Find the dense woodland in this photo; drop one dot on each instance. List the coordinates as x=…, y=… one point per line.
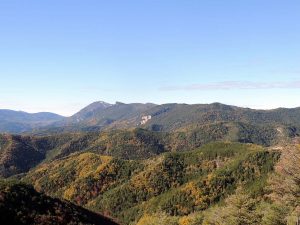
x=176, y=185
x=189, y=165
x=20, y=153
x=21, y=204
x=100, y=116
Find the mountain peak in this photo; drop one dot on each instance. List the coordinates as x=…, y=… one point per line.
x=91, y=109
x=101, y=103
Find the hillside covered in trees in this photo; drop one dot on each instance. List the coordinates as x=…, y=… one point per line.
x=200, y=123
x=173, y=185
x=20, y=153
x=159, y=180
x=100, y=116
x=185, y=165
x=21, y=204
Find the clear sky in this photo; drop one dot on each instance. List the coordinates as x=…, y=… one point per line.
x=60, y=55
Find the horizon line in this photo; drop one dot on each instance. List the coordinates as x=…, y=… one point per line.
x=182, y=103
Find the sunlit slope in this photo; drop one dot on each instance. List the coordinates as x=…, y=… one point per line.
x=177, y=184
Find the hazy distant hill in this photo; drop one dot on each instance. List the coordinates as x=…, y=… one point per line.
x=89, y=112
x=174, y=116
x=167, y=117
x=99, y=115
x=18, y=121
x=170, y=117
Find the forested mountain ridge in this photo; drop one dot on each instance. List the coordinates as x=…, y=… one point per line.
x=166, y=117
x=19, y=153
x=146, y=164
x=21, y=204
x=170, y=117
x=219, y=183
x=174, y=184
x=103, y=114
x=18, y=121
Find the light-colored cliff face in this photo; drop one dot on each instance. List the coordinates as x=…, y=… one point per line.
x=145, y=119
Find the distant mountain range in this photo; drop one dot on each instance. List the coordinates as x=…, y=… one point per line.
x=137, y=131
x=18, y=121
x=167, y=117
x=150, y=164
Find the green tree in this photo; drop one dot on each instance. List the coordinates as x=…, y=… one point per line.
x=239, y=209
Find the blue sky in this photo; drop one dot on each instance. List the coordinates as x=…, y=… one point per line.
x=60, y=55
